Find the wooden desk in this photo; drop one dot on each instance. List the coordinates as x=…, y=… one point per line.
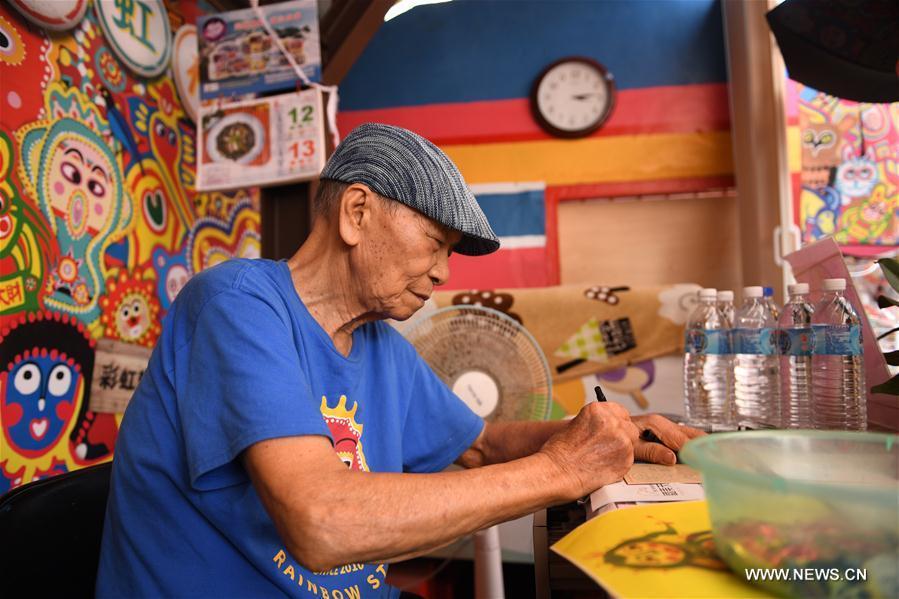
x=556, y=577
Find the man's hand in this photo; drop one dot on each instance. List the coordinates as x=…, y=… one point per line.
x=595, y=449
x=671, y=435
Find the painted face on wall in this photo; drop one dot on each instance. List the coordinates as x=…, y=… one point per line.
x=79, y=185
x=171, y=275
x=76, y=181
x=132, y=317
x=39, y=399
x=857, y=177
x=47, y=362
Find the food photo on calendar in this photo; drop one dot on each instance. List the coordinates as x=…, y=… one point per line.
x=272, y=140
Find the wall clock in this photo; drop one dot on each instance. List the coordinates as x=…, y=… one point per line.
x=573, y=97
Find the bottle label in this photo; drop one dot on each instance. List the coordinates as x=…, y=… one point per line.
x=838, y=340
x=710, y=342
x=755, y=341
x=798, y=341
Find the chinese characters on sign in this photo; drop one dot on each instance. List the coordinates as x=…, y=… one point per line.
x=117, y=371
x=139, y=33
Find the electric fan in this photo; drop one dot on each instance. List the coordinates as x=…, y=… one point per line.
x=496, y=367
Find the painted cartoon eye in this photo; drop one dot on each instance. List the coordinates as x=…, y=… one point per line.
x=172, y=139
x=28, y=379
x=808, y=137
x=850, y=173
x=96, y=188
x=135, y=308
x=865, y=173
x=60, y=380
x=125, y=312
x=70, y=172
x=826, y=137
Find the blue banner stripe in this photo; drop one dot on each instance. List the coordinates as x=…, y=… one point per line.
x=464, y=51
x=513, y=214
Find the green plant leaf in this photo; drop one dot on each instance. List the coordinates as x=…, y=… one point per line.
x=891, y=387
x=892, y=358
x=886, y=302
x=890, y=268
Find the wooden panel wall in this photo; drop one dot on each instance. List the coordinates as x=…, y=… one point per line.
x=650, y=242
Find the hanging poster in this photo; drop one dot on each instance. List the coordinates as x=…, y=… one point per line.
x=272, y=140
x=138, y=32
x=237, y=55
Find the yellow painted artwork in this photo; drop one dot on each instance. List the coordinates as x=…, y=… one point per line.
x=663, y=550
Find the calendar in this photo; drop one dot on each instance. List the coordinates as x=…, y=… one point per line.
x=268, y=141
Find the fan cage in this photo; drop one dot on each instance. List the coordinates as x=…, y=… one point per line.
x=459, y=339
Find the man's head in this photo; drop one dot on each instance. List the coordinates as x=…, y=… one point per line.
x=401, y=207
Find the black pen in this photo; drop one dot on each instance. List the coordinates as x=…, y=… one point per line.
x=647, y=435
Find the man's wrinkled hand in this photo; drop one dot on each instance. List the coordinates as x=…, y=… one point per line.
x=595, y=449
x=672, y=436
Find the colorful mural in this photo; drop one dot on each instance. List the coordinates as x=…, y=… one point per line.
x=847, y=184
x=100, y=228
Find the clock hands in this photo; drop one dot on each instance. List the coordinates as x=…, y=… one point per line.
x=584, y=96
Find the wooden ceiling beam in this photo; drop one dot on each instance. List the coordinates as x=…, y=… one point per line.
x=345, y=31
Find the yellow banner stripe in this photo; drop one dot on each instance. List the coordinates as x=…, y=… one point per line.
x=597, y=159
x=794, y=149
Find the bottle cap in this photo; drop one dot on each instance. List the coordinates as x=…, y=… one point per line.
x=798, y=289
x=752, y=291
x=834, y=284
x=725, y=295
x=708, y=293
x=768, y=291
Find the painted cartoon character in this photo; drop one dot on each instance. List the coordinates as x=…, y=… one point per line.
x=868, y=222
x=631, y=379
x=131, y=308
x=213, y=241
x=26, y=245
x=667, y=549
x=158, y=124
x=346, y=433
x=171, y=275
x=67, y=166
x=819, y=211
x=48, y=361
x=857, y=175
x=821, y=135
x=156, y=220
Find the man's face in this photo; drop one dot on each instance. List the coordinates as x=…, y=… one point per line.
x=405, y=255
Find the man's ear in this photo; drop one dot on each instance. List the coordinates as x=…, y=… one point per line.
x=354, y=212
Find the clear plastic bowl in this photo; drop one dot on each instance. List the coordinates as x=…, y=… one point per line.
x=822, y=505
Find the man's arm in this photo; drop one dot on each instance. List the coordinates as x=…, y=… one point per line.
x=328, y=515
x=505, y=441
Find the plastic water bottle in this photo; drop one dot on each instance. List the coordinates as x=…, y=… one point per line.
x=838, y=370
x=756, y=363
x=726, y=305
x=796, y=342
x=708, y=365
x=768, y=294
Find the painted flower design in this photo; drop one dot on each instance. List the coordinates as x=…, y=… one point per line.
x=677, y=302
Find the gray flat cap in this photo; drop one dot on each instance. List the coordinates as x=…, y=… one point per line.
x=406, y=167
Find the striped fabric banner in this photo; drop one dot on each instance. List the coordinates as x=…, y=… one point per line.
x=517, y=213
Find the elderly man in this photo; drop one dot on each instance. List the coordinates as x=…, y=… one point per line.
x=286, y=441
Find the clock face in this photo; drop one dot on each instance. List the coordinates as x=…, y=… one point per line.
x=573, y=97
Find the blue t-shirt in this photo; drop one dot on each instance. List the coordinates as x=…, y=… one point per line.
x=240, y=360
